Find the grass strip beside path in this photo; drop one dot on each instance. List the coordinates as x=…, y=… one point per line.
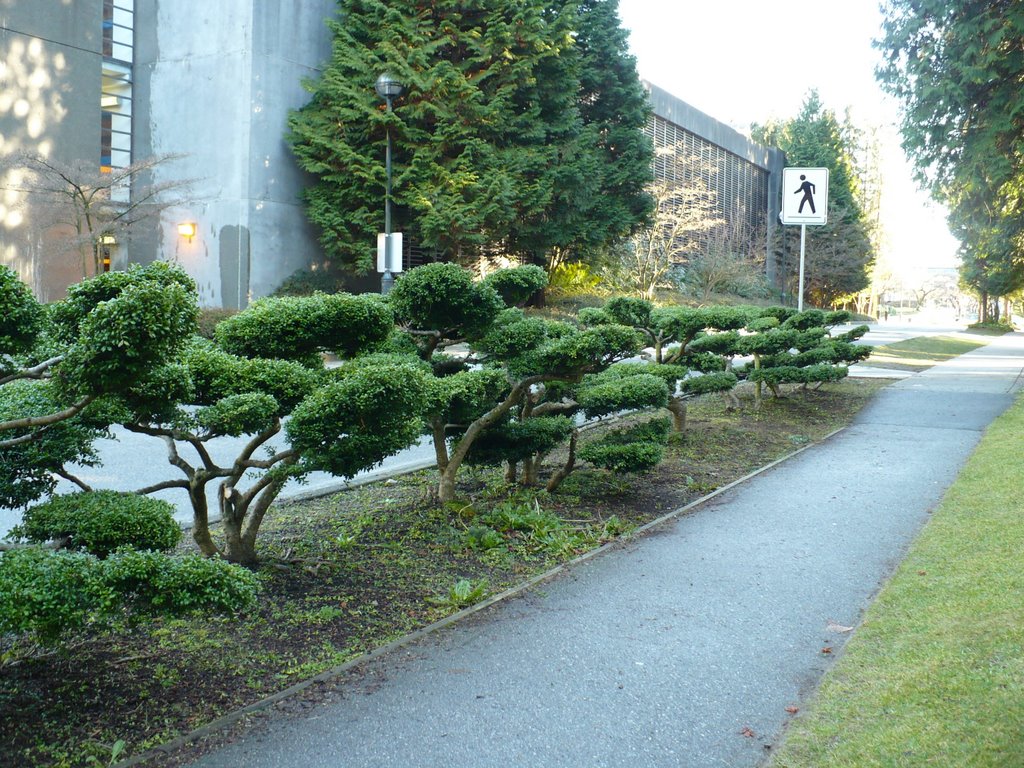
x=920, y=352
x=935, y=674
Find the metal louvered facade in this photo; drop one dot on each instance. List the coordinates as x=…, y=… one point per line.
x=741, y=176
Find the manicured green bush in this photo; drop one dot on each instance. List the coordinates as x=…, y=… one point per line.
x=151, y=581
x=517, y=441
x=124, y=337
x=603, y=396
x=652, y=430
x=442, y=298
x=85, y=297
x=22, y=315
x=100, y=522
x=636, y=448
x=360, y=420
x=513, y=334
x=809, y=318
x=723, y=318
x=633, y=312
x=718, y=381
x=216, y=374
x=723, y=344
x=46, y=592
x=237, y=415
x=517, y=284
x=593, y=316
x=631, y=457
x=296, y=327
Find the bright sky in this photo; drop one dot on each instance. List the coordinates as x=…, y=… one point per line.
x=746, y=61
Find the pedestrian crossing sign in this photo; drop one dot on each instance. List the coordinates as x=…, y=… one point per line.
x=805, y=196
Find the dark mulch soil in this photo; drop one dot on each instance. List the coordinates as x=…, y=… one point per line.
x=350, y=572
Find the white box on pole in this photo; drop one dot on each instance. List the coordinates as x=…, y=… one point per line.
x=396, y=250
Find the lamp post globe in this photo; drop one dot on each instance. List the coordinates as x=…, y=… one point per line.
x=388, y=88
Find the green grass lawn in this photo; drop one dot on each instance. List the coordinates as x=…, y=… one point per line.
x=920, y=352
x=935, y=675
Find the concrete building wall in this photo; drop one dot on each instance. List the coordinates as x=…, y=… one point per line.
x=214, y=83
x=50, y=65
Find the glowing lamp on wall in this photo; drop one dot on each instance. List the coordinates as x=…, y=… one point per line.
x=187, y=229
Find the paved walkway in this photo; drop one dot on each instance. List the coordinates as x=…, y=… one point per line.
x=685, y=646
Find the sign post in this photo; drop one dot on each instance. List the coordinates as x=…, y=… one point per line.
x=804, y=202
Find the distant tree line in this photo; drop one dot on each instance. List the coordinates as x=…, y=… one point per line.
x=956, y=67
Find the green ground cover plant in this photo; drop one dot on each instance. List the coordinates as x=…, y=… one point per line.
x=921, y=352
x=347, y=573
x=935, y=674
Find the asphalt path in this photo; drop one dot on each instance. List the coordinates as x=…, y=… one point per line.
x=130, y=461
x=685, y=646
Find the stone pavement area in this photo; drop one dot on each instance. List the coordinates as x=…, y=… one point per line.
x=682, y=647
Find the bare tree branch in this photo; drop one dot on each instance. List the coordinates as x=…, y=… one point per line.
x=39, y=371
x=40, y=421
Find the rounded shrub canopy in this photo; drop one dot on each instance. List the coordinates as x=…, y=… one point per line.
x=100, y=522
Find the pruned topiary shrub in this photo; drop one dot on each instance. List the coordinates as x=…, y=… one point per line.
x=47, y=593
x=294, y=328
x=634, y=449
x=515, y=441
x=100, y=522
x=151, y=581
x=518, y=284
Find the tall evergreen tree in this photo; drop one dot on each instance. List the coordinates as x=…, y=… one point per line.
x=956, y=67
x=615, y=110
x=492, y=139
x=601, y=177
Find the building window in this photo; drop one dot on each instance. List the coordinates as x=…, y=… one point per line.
x=116, y=92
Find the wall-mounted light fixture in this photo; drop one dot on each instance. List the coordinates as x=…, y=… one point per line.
x=107, y=242
x=187, y=229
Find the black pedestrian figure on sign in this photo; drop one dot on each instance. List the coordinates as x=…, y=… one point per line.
x=808, y=189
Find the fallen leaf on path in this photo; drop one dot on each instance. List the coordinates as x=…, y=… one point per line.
x=827, y=649
x=792, y=710
x=748, y=732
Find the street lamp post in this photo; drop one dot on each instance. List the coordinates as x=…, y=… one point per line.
x=387, y=88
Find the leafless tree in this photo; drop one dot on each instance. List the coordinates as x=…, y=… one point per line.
x=685, y=211
x=731, y=260
x=96, y=204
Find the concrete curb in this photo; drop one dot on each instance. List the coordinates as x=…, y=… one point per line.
x=231, y=718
